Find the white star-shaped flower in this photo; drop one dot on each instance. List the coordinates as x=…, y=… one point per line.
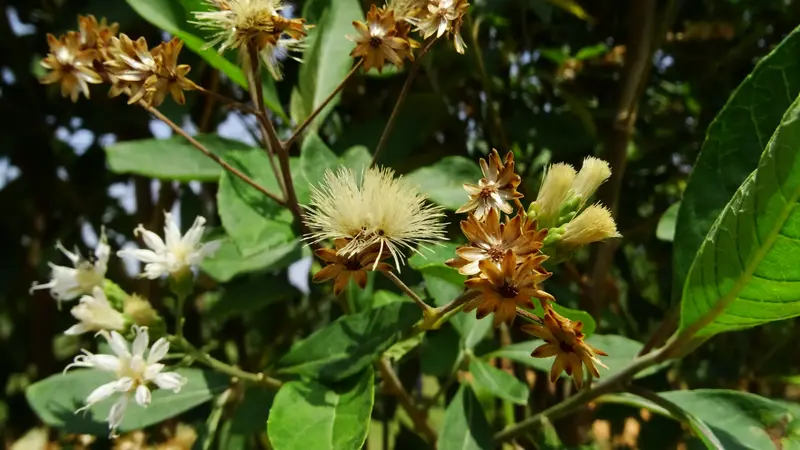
x=69, y=283
x=95, y=313
x=175, y=253
x=133, y=372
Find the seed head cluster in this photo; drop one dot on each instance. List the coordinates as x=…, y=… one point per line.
x=98, y=54
x=383, y=37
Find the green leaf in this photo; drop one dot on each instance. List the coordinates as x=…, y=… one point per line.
x=327, y=58
x=590, y=52
x=747, y=271
x=56, y=398
x=170, y=16
x=254, y=221
x=309, y=415
x=316, y=158
x=465, y=426
x=251, y=296
x=621, y=351
x=666, y=224
x=351, y=343
x=739, y=420
x=171, y=159
x=228, y=262
x=734, y=142
x=249, y=417
x=444, y=181
x=499, y=382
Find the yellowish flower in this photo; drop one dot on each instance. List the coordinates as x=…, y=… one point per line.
x=497, y=187
x=557, y=182
x=381, y=211
x=502, y=288
x=382, y=38
x=71, y=65
x=594, y=224
x=245, y=24
x=564, y=340
x=593, y=173
x=343, y=268
x=490, y=239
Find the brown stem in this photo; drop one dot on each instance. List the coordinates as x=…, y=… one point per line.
x=268, y=135
x=400, y=100
x=529, y=315
x=313, y=115
x=427, y=309
x=635, y=72
x=211, y=155
x=493, y=113
x=406, y=401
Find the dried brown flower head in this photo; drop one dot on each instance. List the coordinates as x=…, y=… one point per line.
x=382, y=38
x=497, y=187
x=70, y=64
x=343, y=268
x=502, y=288
x=148, y=75
x=564, y=340
x=245, y=24
x=97, y=34
x=438, y=17
x=490, y=239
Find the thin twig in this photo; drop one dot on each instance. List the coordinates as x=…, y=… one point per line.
x=288, y=143
x=406, y=401
x=612, y=384
x=427, y=309
x=400, y=100
x=267, y=130
x=211, y=155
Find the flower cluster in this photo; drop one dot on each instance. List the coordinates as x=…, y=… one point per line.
x=435, y=17
x=371, y=218
x=383, y=37
x=561, y=207
x=504, y=258
x=253, y=25
x=104, y=308
x=97, y=54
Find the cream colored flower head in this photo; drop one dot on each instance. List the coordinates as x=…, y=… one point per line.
x=593, y=173
x=241, y=24
x=556, y=184
x=379, y=210
x=95, y=313
x=69, y=283
x=594, y=224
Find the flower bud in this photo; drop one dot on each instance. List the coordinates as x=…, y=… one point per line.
x=555, y=187
x=140, y=311
x=593, y=173
x=594, y=224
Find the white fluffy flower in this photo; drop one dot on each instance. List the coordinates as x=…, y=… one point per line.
x=69, y=283
x=133, y=372
x=380, y=211
x=95, y=313
x=173, y=254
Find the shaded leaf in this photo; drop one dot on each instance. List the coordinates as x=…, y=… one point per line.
x=733, y=145
x=499, y=382
x=171, y=159
x=351, y=343
x=228, y=262
x=251, y=296
x=746, y=272
x=309, y=415
x=56, y=398
x=443, y=182
x=465, y=426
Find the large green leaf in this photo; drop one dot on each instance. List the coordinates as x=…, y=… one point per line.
x=170, y=16
x=228, y=262
x=733, y=144
x=444, y=181
x=465, y=426
x=747, y=271
x=739, y=420
x=309, y=415
x=171, y=159
x=621, y=352
x=316, y=158
x=56, y=398
x=351, y=343
x=254, y=221
x=498, y=382
x=251, y=296
x=327, y=58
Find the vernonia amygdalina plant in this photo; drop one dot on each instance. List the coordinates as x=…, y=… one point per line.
x=319, y=381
